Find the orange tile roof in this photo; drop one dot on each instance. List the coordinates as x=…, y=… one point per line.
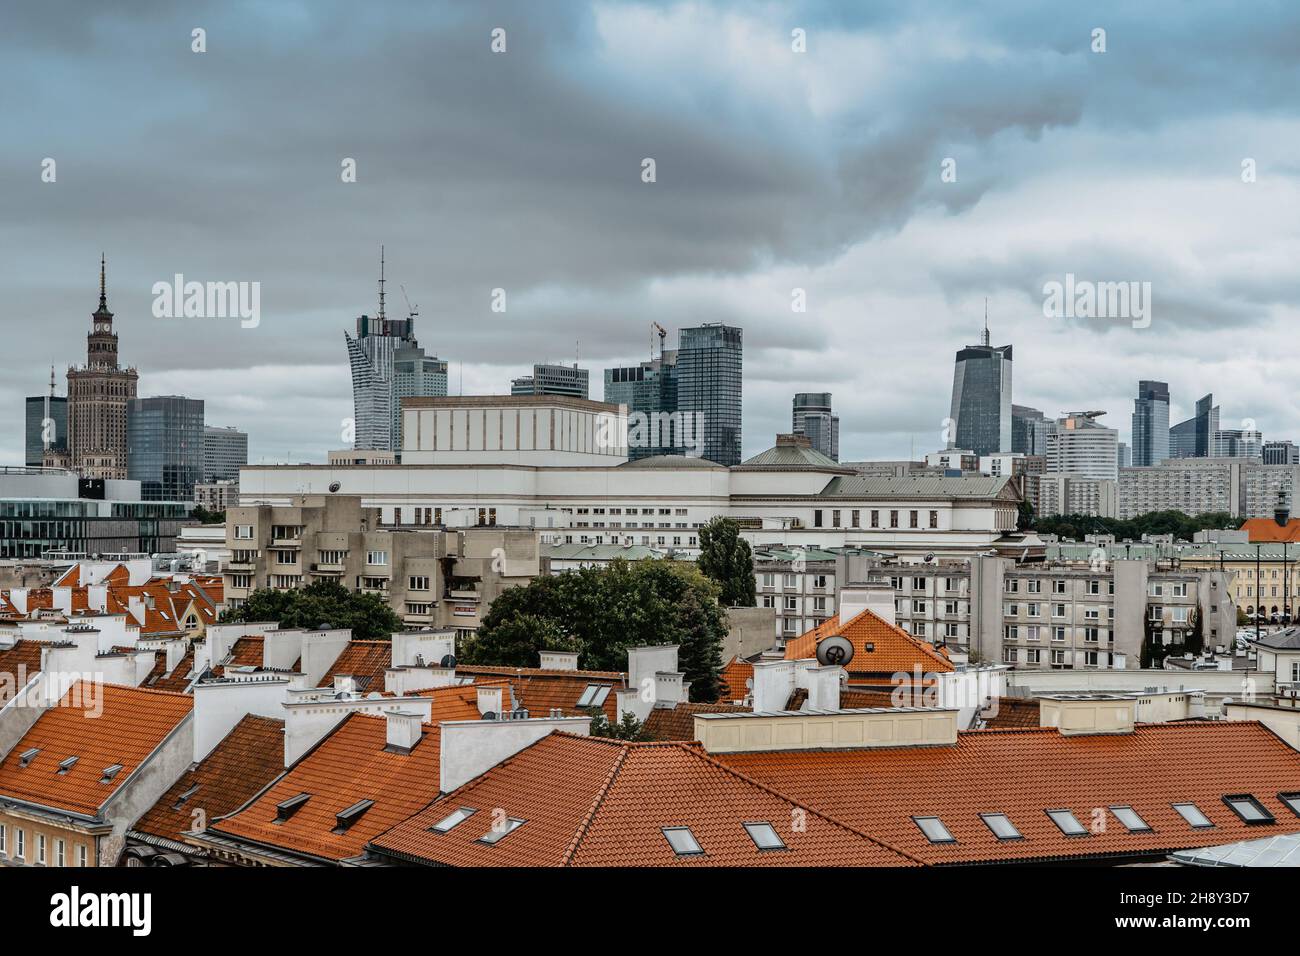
x=364, y=661
x=1024, y=773
x=1268, y=531
x=178, y=680
x=597, y=802
x=19, y=664
x=678, y=723
x=348, y=766
x=879, y=648
x=249, y=758
x=735, y=677
x=132, y=724
x=1014, y=712
x=539, y=691
x=245, y=652
x=459, y=702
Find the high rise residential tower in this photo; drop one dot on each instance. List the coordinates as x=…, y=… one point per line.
x=553, y=380
x=98, y=393
x=224, y=451
x=1151, y=424
x=981, y=398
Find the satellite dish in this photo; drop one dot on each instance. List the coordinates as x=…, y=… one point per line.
x=335, y=486
x=929, y=557
x=490, y=715
x=835, y=651
x=448, y=660
x=374, y=695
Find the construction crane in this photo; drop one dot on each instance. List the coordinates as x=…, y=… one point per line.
x=663, y=334
x=411, y=310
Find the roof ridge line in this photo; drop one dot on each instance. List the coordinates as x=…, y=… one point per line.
x=585, y=824
x=704, y=755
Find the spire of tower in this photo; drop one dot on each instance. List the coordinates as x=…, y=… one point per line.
x=381, y=283
x=103, y=295
x=984, y=336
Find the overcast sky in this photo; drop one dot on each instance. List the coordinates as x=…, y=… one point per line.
x=775, y=170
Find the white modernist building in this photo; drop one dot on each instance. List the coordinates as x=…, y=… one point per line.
x=559, y=464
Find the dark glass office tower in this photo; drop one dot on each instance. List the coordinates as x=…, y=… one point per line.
x=709, y=362
x=1194, y=438
x=981, y=398
x=164, y=446
x=1151, y=424
x=35, y=427
x=1029, y=428
x=648, y=390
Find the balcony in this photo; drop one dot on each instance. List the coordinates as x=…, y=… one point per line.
x=462, y=594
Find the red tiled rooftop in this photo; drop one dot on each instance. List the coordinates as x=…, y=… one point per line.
x=1268, y=531
x=878, y=646
x=735, y=678
x=19, y=664
x=348, y=766
x=596, y=802
x=539, y=691
x=364, y=661
x=1024, y=773
x=678, y=723
x=249, y=758
x=132, y=724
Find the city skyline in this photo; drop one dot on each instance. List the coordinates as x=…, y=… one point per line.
x=895, y=262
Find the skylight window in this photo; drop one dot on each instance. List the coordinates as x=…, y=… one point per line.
x=1001, y=826
x=1248, y=808
x=683, y=841
x=1129, y=817
x=1067, y=823
x=287, y=808
x=27, y=756
x=180, y=801
x=593, y=696
x=345, y=818
x=451, y=820
x=934, y=830
x=68, y=764
x=110, y=773
x=1193, y=815
x=501, y=831
x=1292, y=800
x=764, y=836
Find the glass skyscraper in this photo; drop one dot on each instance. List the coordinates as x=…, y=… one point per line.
x=649, y=390
x=164, y=446
x=981, y=399
x=709, y=367
x=1194, y=438
x=35, y=427
x=1151, y=424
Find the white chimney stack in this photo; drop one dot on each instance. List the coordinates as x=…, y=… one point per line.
x=489, y=699
x=774, y=681
x=875, y=596
x=403, y=731
x=559, y=660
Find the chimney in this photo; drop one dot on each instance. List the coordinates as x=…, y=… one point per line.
x=669, y=689
x=345, y=684
x=774, y=681
x=1074, y=714
x=559, y=660
x=489, y=699
x=467, y=748
x=823, y=684
x=876, y=596
x=403, y=731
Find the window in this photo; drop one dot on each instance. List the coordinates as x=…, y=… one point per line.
x=66, y=765
x=764, y=836
x=4, y=838
x=344, y=819
x=59, y=855
x=1248, y=808
x=20, y=844
x=1292, y=801
x=243, y=532
x=893, y=519
x=40, y=848
x=1001, y=826
x=683, y=841
x=81, y=855
x=452, y=819
x=1130, y=819
x=27, y=756
x=110, y=773
x=418, y=583
x=1067, y=823
x=593, y=696
x=934, y=829
x=934, y=519
x=1193, y=815
x=875, y=519
x=913, y=519
x=376, y=557
x=500, y=831
x=287, y=808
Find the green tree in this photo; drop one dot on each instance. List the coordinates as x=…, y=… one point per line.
x=627, y=728
x=204, y=516
x=601, y=612
x=726, y=558
x=321, y=604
